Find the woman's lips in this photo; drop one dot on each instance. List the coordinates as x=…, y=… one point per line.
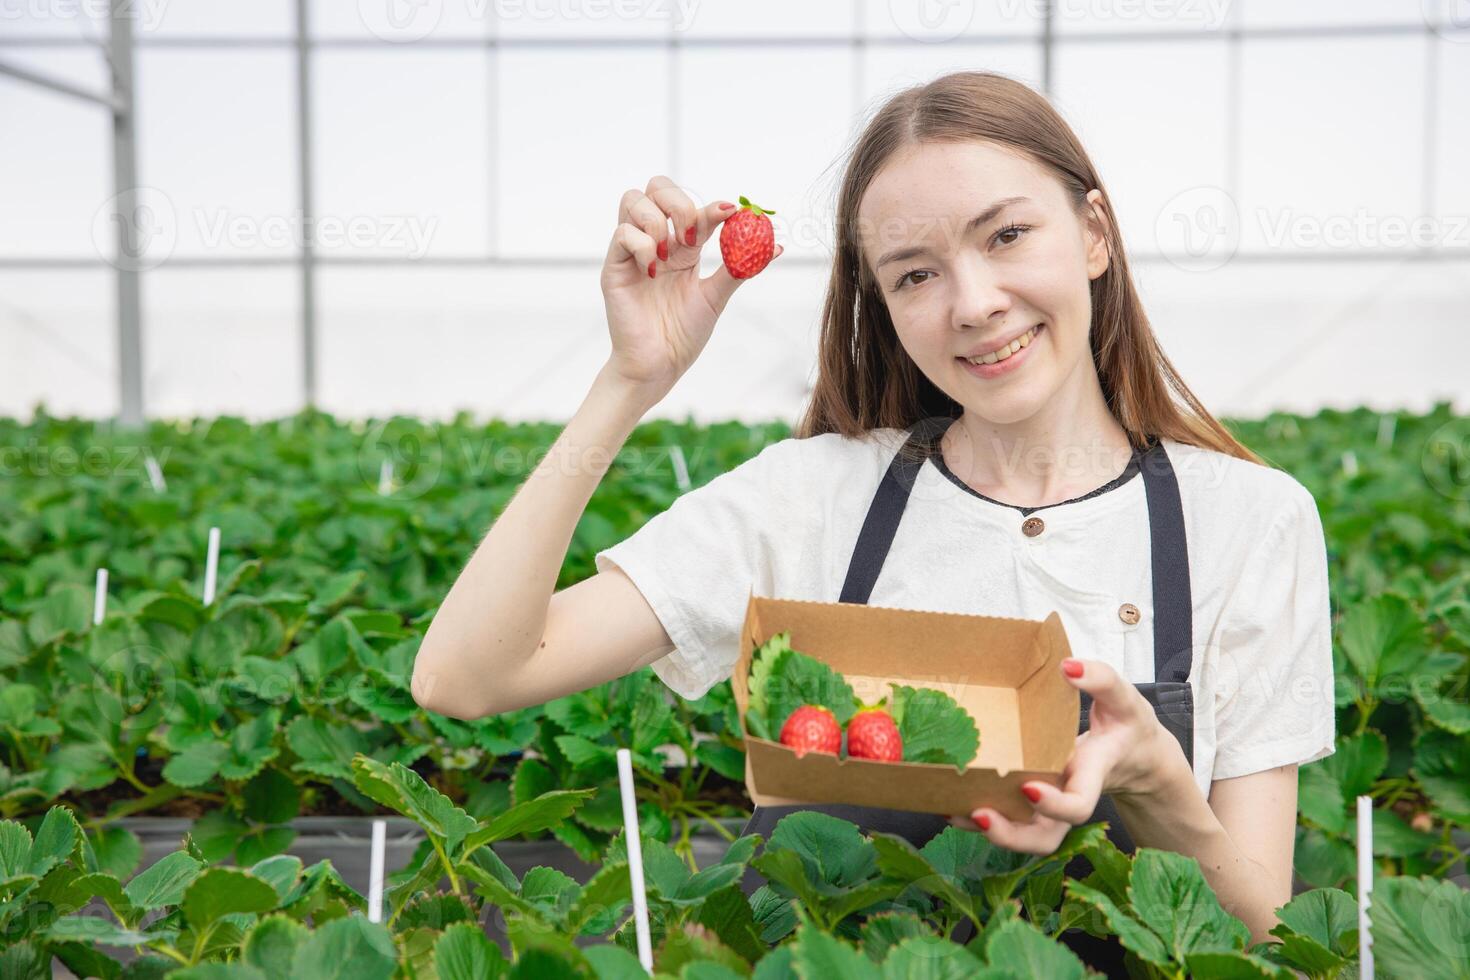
x=1012, y=363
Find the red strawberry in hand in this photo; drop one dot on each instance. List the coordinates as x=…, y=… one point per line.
x=812, y=728
x=872, y=734
x=747, y=241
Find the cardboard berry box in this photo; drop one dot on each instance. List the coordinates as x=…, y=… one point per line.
x=1003, y=671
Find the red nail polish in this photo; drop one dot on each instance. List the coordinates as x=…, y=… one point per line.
x=1072, y=668
x=1032, y=793
x=650, y=270
x=689, y=235
x=663, y=250
x=726, y=206
x=983, y=822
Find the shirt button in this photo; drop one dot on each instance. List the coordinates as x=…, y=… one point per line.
x=1128, y=613
x=1032, y=526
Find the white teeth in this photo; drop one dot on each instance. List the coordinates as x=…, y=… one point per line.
x=1000, y=355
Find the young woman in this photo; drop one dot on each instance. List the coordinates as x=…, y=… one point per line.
x=994, y=430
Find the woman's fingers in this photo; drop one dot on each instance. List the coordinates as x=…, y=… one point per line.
x=630, y=242
x=1039, y=835
x=640, y=210
x=1075, y=801
x=1110, y=692
x=676, y=206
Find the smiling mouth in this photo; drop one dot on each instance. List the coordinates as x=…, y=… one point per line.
x=1006, y=352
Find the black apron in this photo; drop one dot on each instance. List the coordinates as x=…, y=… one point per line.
x=1169, y=693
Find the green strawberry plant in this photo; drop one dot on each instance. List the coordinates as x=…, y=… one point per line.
x=838, y=903
x=254, y=708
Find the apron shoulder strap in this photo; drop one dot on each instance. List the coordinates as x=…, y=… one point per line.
x=886, y=510
x=1173, y=604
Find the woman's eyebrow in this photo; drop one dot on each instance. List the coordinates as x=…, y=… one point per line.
x=979, y=221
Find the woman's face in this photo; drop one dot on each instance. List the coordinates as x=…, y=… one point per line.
x=973, y=290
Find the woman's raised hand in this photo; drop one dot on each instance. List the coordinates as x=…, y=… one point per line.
x=660, y=313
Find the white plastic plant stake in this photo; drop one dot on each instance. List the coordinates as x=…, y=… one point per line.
x=1386, y=425
x=375, y=872
x=635, y=858
x=1365, y=886
x=681, y=468
x=385, y=478
x=99, y=601
x=211, y=566
x=155, y=473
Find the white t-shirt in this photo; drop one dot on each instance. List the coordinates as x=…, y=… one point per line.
x=784, y=523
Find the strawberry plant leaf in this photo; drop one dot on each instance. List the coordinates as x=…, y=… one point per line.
x=271, y=797
x=819, y=954
x=1382, y=637
x=934, y=727
x=885, y=930
x=1443, y=766
x=94, y=929
x=724, y=759
x=400, y=788
x=118, y=850
x=216, y=834
x=600, y=902
x=65, y=611
x=1419, y=927
x=584, y=713
x=1234, y=966
x=463, y=952
x=252, y=745
x=690, y=950
x=728, y=915
x=261, y=843
x=196, y=765
x=529, y=817
x=271, y=944
x=1168, y=893
x=1017, y=946
x=1328, y=916
x=163, y=882
x=350, y=948
x=833, y=851
x=55, y=839
x=783, y=679
x=219, y=892
x=901, y=861
x=324, y=748
x=280, y=871
x=1134, y=935
x=931, y=958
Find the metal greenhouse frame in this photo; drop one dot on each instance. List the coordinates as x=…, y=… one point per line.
x=120, y=102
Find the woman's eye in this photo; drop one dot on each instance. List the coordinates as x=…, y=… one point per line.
x=1018, y=229
x=905, y=277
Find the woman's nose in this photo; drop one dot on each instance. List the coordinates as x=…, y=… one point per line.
x=979, y=293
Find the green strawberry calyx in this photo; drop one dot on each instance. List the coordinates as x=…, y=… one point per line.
x=756, y=208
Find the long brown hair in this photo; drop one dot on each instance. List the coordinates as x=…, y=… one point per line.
x=865, y=379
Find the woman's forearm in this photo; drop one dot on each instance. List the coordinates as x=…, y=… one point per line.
x=495, y=614
x=1175, y=816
